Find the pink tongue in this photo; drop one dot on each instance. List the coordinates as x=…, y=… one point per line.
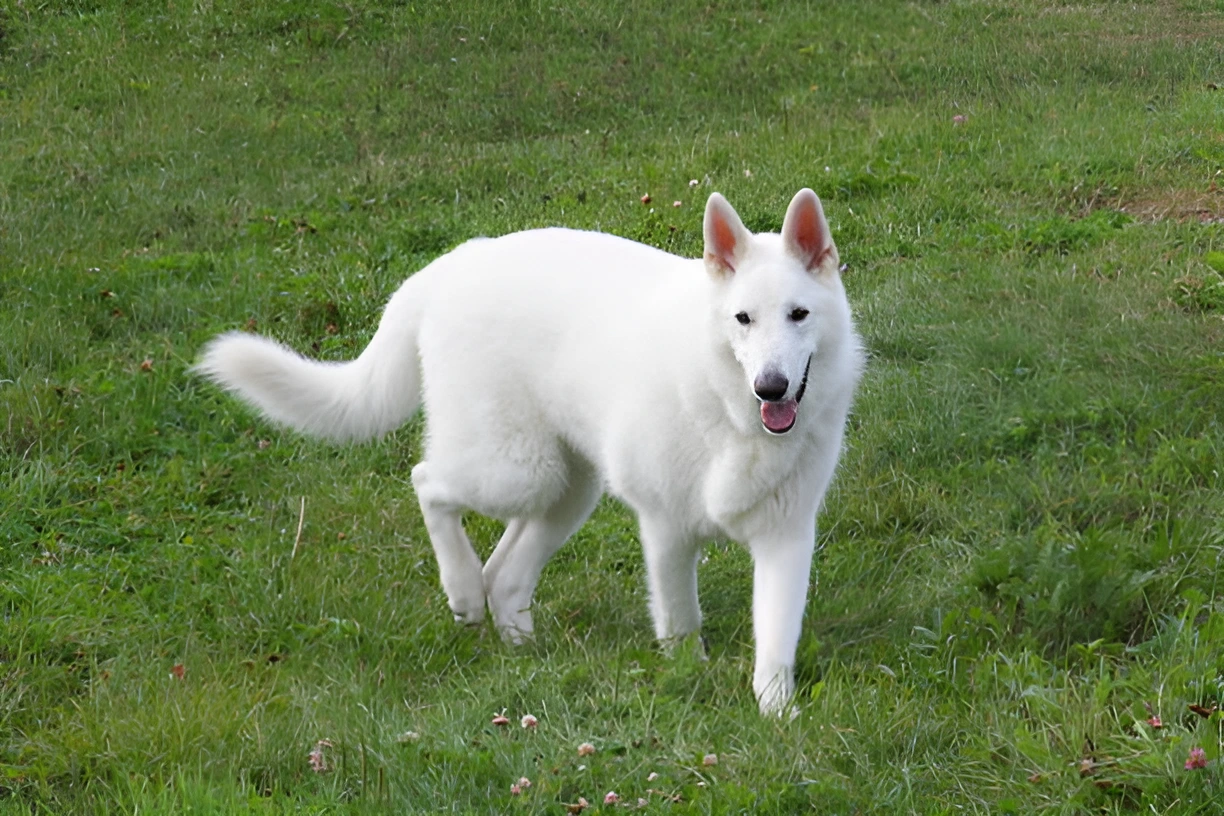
x=779, y=416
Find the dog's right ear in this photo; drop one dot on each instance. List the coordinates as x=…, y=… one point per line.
x=726, y=237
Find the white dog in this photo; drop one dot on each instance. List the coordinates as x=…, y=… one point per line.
x=709, y=395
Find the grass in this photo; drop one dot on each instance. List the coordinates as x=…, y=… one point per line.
x=1021, y=560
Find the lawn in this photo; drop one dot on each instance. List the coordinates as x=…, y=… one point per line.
x=1017, y=604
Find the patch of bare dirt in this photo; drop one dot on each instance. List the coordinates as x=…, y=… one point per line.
x=1205, y=207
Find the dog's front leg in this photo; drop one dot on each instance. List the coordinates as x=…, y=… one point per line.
x=671, y=572
x=779, y=594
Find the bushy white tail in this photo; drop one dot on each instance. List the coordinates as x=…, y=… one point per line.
x=353, y=400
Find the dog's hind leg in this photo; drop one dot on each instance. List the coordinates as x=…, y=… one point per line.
x=514, y=568
x=458, y=564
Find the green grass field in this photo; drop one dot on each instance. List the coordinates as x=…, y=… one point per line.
x=1017, y=607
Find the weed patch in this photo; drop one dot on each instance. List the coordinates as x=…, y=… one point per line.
x=1061, y=589
x=1058, y=235
x=1202, y=292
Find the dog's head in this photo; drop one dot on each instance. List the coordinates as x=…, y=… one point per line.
x=777, y=297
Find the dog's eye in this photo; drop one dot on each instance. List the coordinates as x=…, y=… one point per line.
x=743, y=318
x=798, y=314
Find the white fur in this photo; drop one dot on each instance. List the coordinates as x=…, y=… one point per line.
x=556, y=365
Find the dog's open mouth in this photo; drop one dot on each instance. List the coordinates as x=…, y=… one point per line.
x=778, y=416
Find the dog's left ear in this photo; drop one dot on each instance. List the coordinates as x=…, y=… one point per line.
x=805, y=233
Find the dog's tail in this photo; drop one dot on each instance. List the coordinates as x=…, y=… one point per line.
x=354, y=400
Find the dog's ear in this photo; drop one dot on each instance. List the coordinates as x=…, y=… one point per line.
x=805, y=233
x=726, y=237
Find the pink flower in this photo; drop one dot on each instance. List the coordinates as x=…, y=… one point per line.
x=524, y=782
x=316, y=757
x=611, y=798
x=646, y=198
x=677, y=203
x=958, y=119
x=515, y=790
x=586, y=749
x=709, y=759
x=1197, y=759
x=529, y=721
x=1155, y=722
x=501, y=719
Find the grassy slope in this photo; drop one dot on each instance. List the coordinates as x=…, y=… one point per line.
x=1023, y=549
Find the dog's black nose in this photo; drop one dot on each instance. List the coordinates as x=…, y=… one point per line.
x=771, y=386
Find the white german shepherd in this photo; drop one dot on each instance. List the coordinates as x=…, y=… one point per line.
x=709, y=395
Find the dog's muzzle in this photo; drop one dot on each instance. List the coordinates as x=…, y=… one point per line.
x=778, y=416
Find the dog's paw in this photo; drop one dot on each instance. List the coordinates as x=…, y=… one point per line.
x=774, y=693
x=467, y=613
x=510, y=606
x=692, y=645
x=517, y=634
x=515, y=626
x=785, y=713
x=779, y=709
x=466, y=596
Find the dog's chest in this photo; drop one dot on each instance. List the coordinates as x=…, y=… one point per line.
x=706, y=489
x=750, y=479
